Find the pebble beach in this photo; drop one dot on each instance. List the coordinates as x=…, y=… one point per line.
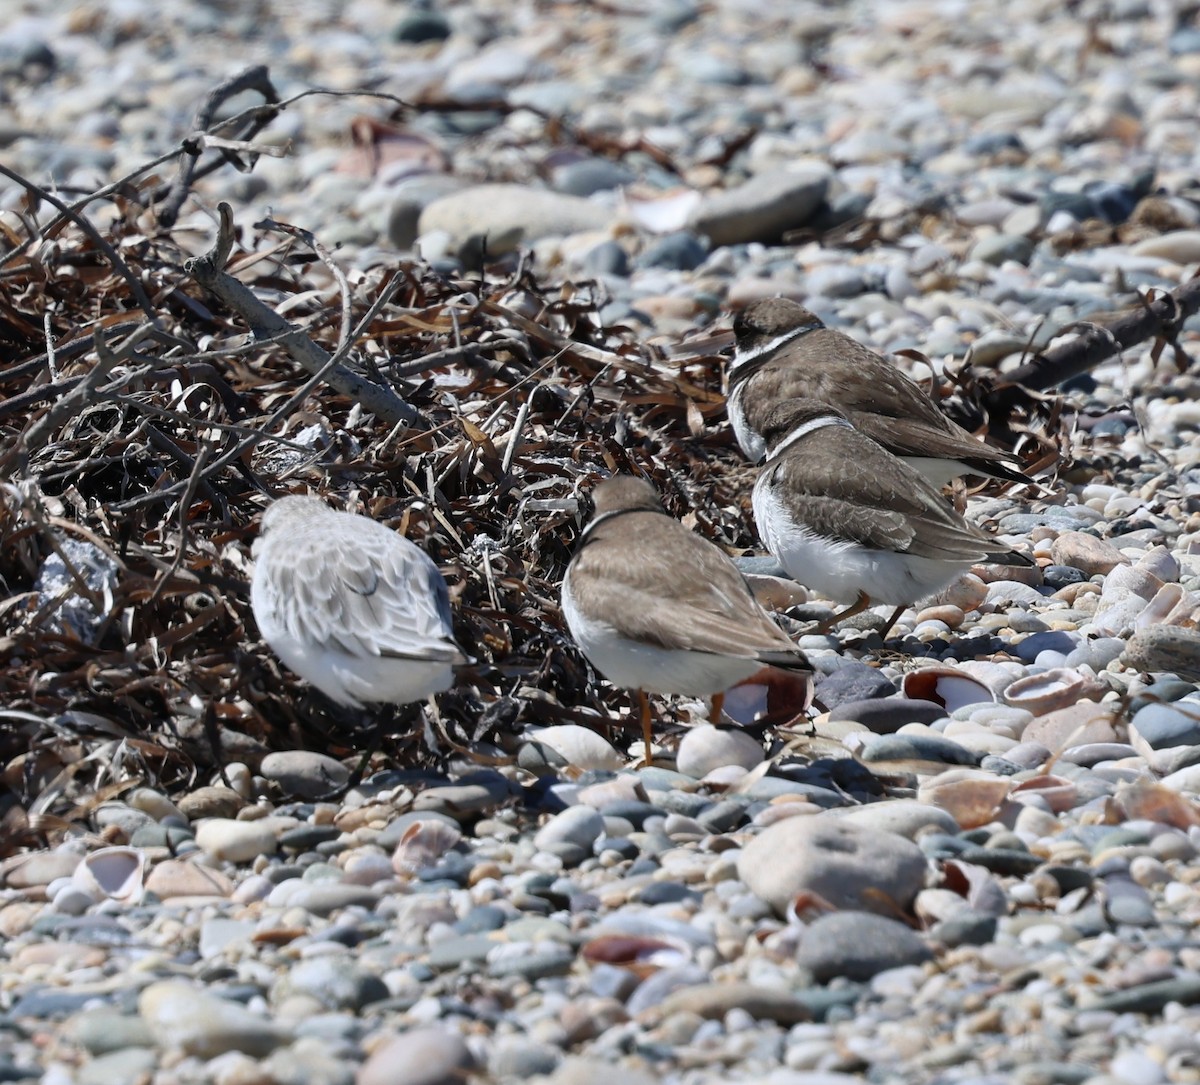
x=979, y=863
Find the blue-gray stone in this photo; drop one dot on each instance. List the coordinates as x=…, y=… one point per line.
x=590, y=175
x=482, y=918
x=725, y=816
x=631, y=810
x=668, y=893
x=607, y=258
x=989, y=143
x=1151, y=997
x=680, y=251
x=1164, y=725
x=886, y=715
x=857, y=946
x=52, y=1004
x=918, y=748
x=853, y=681
x=1059, y=576
x=1161, y=689
x=1054, y=640
x=1007, y=861
x=966, y=928
x=421, y=26
x=622, y=846
x=307, y=837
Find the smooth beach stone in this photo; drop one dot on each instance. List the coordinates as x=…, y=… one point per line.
x=304, y=774
x=908, y=747
x=858, y=945
x=434, y=1055
x=886, y=715
x=1161, y=726
x=705, y=748
x=847, y=865
x=186, y=1017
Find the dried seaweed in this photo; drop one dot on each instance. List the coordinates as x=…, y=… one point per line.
x=158, y=443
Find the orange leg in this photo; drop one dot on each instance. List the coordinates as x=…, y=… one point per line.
x=857, y=607
x=647, y=736
x=718, y=703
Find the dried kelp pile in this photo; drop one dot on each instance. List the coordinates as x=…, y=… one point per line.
x=153, y=400
x=143, y=437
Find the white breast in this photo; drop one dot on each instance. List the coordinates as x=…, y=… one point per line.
x=634, y=665
x=840, y=568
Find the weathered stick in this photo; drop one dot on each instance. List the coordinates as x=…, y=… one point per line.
x=1095, y=344
x=256, y=78
x=265, y=323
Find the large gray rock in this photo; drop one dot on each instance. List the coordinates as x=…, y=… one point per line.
x=857, y=946
x=845, y=865
x=509, y=216
x=304, y=774
x=762, y=209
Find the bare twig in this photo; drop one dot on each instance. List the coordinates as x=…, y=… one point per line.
x=265, y=323
x=1095, y=344
x=256, y=79
x=327, y=259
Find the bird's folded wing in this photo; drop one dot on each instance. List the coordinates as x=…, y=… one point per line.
x=370, y=599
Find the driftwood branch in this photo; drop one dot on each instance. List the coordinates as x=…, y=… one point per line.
x=1094, y=344
x=265, y=323
x=257, y=79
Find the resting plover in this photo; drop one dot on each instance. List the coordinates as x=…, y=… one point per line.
x=656, y=608
x=786, y=352
x=847, y=518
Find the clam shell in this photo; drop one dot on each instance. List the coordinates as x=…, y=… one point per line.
x=1060, y=794
x=946, y=686
x=116, y=873
x=423, y=844
x=1154, y=802
x=1053, y=689
x=640, y=954
x=771, y=696
x=579, y=746
x=970, y=796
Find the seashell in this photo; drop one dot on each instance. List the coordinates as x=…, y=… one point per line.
x=579, y=746
x=771, y=696
x=982, y=891
x=946, y=686
x=423, y=844
x=1153, y=802
x=934, y=905
x=1165, y=600
x=1053, y=689
x=967, y=593
x=1059, y=793
x=971, y=797
x=116, y=873
x=1127, y=580
x=640, y=954
x=662, y=213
